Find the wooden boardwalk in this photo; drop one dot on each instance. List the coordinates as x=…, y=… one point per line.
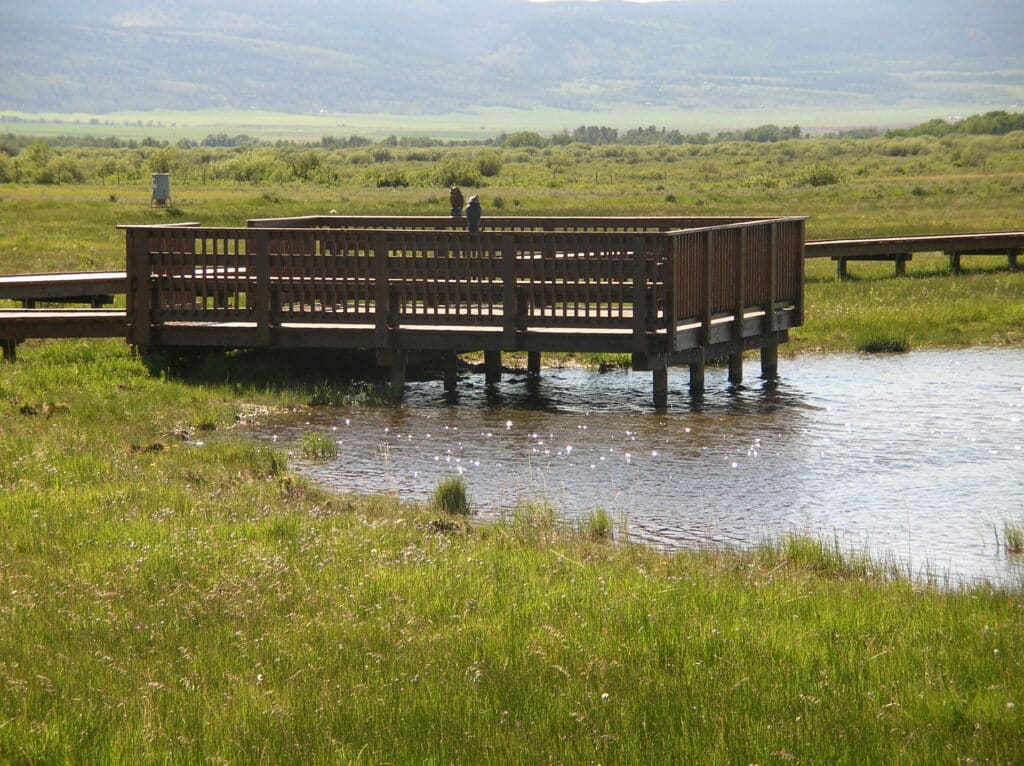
x=900, y=250
x=667, y=291
x=97, y=288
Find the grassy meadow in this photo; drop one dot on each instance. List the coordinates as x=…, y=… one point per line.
x=171, y=593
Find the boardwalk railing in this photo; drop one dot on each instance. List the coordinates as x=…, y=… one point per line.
x=669, y=291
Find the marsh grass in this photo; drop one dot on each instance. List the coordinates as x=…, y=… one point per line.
x=196, y=604
x=317, y=445
x=597, y=525
x=1013, y=538
x=450, y=497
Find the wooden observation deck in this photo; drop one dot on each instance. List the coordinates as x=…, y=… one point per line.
x=668, y=291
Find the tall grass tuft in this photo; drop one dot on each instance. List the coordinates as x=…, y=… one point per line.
x=1013, y=538
x=597, y=525
x=450, y=497
x=881, y=338
x=318, y=446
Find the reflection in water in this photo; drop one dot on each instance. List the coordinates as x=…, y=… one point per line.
x=914, y=458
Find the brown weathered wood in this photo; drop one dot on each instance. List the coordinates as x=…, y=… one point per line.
x=665, y=290
x=899, y=250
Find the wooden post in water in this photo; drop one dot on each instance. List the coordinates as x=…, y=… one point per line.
x=659, y=371
x=697, y=376
x=450, y=360
x=399, y=359
x=770, y=362
x=736, y=368
x=492, y=367
x=533, y=364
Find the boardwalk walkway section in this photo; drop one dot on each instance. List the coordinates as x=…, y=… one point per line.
x=97, y=288
x=17, y=325
x=668, y=291
x=900, y=250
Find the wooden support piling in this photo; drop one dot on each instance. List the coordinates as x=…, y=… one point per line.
x=659, y=373
x=399, y=361
x=533, y=364
x=492, y=367
x=450, y=362
x=770, y=362
x=697, y=377
x=736, y=368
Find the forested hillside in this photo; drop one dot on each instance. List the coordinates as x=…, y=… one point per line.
x=428, y=56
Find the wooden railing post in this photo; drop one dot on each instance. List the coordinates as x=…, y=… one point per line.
x=382, y=294
x=139, y=299
x=740, y=285
x=640, y=303
x=707, y=303
x=258, y=251
x=509, y=294
x=773, y=268
x=671, y=288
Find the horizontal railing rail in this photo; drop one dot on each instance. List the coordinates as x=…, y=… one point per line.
x=498, y=223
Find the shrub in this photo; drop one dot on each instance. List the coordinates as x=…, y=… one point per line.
x=489, y=164
x=817, y=175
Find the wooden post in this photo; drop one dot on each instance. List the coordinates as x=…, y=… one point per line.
x=259, y=257
x=708, y=300
x=901, y=264
x=10, y=349
x=954, y=262
x=139, y=299
x=770, y=361
x=741, y=288
x=841, y=268
x=736, y=368
x=509, y=296
x=533, y=364
x=451, y=371
x=773, y=268
x=1011, y=259
x=492, y=367
x=398, y=363
x=659, y=372
x=640, y=307
x=697, y=376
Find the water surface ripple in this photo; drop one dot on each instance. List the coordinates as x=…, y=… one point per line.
x=913, y=458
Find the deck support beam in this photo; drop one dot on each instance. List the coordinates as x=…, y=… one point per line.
x=492, y=367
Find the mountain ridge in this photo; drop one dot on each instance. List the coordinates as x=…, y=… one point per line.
x=424, y=57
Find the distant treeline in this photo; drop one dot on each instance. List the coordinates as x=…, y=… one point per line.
x=994, y=123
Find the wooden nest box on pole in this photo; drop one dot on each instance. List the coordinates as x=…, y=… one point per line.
x=161, y=190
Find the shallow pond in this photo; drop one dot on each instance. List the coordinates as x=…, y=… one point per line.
x=915, y=459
